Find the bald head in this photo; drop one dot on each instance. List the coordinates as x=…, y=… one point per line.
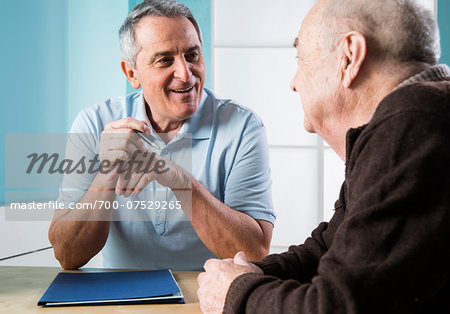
x=352, y=53
x=401, y=31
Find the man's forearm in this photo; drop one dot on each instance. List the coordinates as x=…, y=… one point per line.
x=77, y=236
x=223, y=230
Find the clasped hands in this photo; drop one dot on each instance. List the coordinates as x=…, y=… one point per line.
x=217, y=278
x=129, y=164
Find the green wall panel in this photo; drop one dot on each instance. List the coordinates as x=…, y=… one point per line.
x=444, y=28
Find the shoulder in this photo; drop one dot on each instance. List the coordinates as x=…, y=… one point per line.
x=93, y=119
x=425, y=98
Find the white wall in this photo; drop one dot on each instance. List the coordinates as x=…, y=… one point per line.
x=431, y=5
x=17, y=237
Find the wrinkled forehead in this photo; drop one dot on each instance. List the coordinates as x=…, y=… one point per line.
x=311, y=28
x=154, y=31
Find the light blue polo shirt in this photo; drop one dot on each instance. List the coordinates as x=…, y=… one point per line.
x=229, y=157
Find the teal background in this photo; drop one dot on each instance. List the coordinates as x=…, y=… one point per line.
x=93, y=53
x=33, y=71
x=444, y=27
x=58, y=56
x=202, y=13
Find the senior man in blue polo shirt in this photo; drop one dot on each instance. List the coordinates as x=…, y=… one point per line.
x=229, y=183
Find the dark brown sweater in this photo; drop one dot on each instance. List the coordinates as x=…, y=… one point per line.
x=387, y=247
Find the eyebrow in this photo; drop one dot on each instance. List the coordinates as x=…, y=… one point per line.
x=170, y=53
x=196, y=47
x=295, y=44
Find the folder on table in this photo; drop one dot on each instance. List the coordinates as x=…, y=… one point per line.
x=113, y=287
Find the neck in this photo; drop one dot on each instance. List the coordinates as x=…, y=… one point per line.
x=161, y=125
x=358, y=104
x=166, y=126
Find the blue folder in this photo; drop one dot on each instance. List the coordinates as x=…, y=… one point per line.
x=115, y=287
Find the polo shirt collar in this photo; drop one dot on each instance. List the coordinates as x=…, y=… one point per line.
x=140, y=108
x=200, y=124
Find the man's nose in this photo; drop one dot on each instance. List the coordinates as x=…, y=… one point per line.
x=182, y=71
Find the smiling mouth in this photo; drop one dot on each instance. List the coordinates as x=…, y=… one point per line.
x=181, y=91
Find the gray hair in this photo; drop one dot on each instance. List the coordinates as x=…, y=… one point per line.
x=166, y=8
x=397, y=30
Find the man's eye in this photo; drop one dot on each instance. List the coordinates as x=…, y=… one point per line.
x=192, y=57
x=164, y=61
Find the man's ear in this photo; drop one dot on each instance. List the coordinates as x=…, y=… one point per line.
x=129, y=72
x=353, y=50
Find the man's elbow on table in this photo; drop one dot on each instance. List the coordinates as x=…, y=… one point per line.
x=67, y=258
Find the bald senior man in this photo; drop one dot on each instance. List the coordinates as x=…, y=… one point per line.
x=371, y=87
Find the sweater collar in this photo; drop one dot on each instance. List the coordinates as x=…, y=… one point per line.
x=437, y=72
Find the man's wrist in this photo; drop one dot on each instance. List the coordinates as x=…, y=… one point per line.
x=105, y=182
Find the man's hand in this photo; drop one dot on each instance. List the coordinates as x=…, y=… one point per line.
x=118, y=143
x=131, y=165
x=164, y=171
x=217, y=278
